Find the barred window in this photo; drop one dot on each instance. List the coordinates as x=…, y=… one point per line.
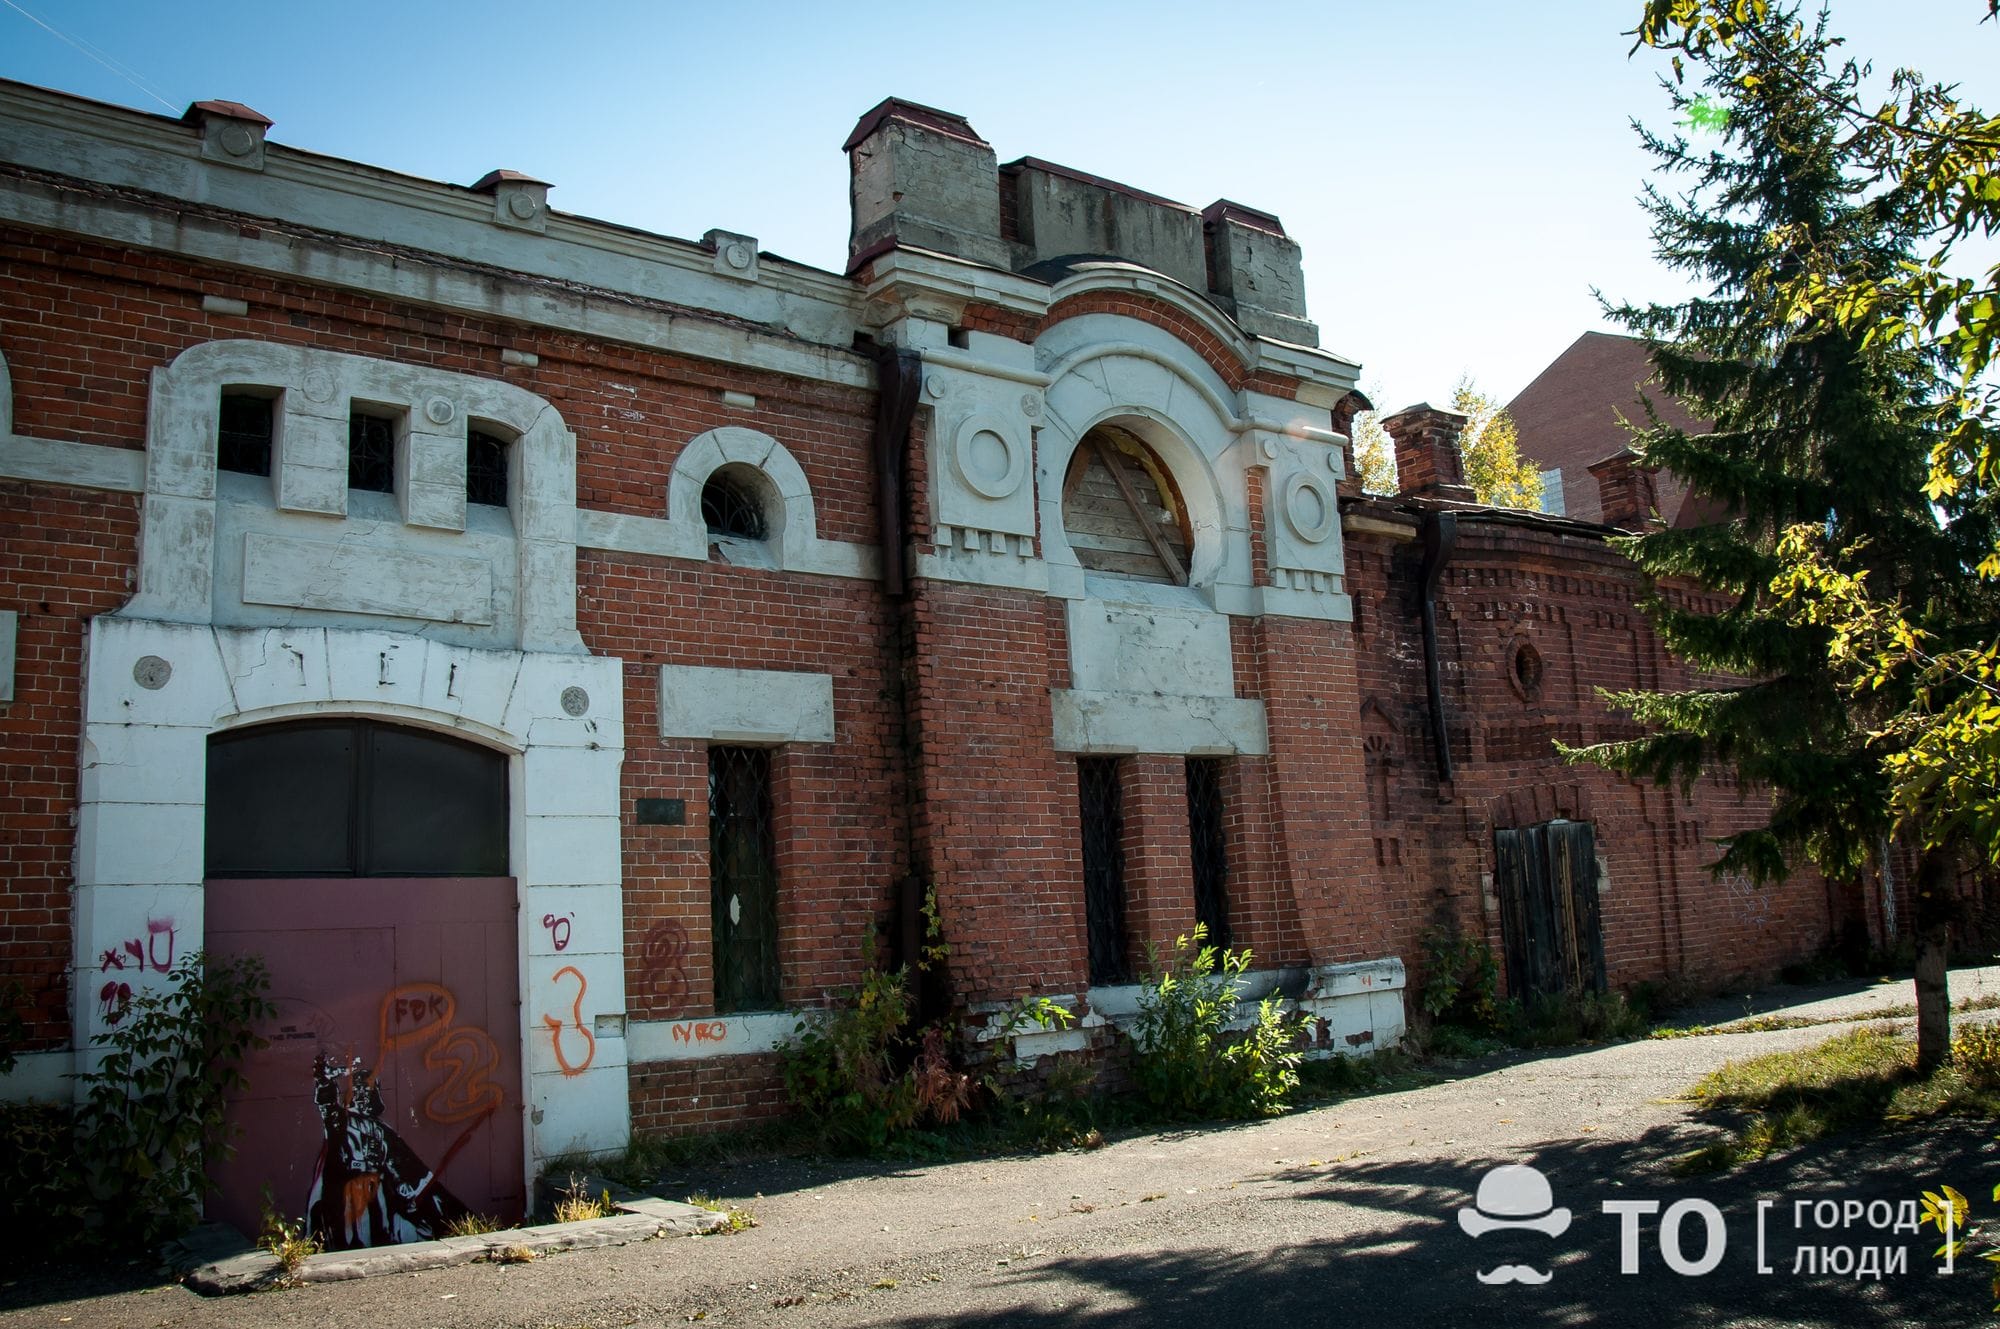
x=243, y=443
x=731, y=504
x=485, y=468
x=1211, y=854
x=1103, y=868
x=742, y=879
x=371, y=453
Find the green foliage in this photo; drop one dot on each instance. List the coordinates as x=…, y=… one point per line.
x=1975, y=1051
x=1491, y=447
x=1550, y=1021
x=41, y=1200
x=1865, y=1079
x=1815, y=422
x=839, y=1070
x=1461, y=978
x=1187, y=1062
x=286, y=1239
x=1374, y=453
x=152, y=1112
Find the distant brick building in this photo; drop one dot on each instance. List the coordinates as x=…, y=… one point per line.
x=553, y=648
x=1573, y=416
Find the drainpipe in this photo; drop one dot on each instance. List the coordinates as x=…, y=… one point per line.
x=1440, y=533
x=899, y=377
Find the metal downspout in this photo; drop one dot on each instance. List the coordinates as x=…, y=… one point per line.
x=1440, y=533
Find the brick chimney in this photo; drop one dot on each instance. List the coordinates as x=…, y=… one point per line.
x=1427, y=460
x=1626, y=491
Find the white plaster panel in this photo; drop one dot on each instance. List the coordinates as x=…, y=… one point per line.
x=145, y=929
x=584, y=1114
x=464, y=682
x=981, y=444
x=1149, y=648
x=84, y=465
x=1125, y=722
x=176, y=544
x=376, y=667
x=745, y=705
x=142, y=764
x=363, y=579
x=548, y=596
x=141, y=844
x=569, y=781
x=535, y=708
x=1365, y=976
x=553, y=984
x=278, y=667
x=194, y=694
x=309, y=456
x=707, y=1036
x=568, y=851
x=582, y=920
x=1385, y=1017
x=39, y=1077
x=10, y=627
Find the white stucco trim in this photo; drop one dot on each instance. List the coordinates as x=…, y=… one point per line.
x=317, y=389
x=1118, y=723
x=60, y=461
x=745, y=705
x=794, y=540
x=709, y=1036
x=155, y=692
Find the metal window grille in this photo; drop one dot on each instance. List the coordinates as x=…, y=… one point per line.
x=1103, y=868
x=485, y=469
x=730, y=507
x=1211, y=852
x=371, y=453
x=743, y=879
x=243, y=443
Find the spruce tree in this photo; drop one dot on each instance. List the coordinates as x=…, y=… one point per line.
x=1814, y=424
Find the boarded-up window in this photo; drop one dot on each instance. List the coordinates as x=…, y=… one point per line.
x=1121, y=511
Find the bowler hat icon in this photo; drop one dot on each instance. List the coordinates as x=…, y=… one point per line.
x=1514, y=1195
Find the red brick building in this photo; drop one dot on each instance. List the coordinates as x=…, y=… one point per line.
x=553, y=648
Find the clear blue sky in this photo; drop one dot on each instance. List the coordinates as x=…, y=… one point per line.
x=1460, y=175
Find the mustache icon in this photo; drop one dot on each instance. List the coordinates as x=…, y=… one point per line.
x=1514, y=1273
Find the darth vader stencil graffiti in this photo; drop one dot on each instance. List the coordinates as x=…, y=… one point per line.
x=369, y=1187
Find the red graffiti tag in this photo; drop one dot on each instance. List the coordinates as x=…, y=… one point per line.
x=558, y=926
x=154, y=951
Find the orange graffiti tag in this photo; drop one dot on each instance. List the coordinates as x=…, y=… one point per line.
x=415, y=1012
x=701, y=1031
x=471, y=1055
x=556, y=1026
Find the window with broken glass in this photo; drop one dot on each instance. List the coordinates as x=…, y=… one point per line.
x=743, y=879
x=1211, y=852
x=1103, y=868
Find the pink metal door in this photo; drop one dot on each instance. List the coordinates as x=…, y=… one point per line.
x=388, y=1103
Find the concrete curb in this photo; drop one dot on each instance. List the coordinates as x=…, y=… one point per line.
x=207, y=1269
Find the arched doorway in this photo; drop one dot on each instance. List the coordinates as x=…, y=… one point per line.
x=367, y=864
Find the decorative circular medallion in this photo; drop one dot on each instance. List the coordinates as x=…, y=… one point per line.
x=737, y=255
x=236, y=140
x=987, y=459
x=151, y=672
x=575, y=701
x=1309, y=508
x=439, y=411
x=1031, y=406
x=522, y=205
x=1271, y=449
x=317, y=386
x=934, y=385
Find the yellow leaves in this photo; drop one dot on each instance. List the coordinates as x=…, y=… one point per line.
x=1948, y=1205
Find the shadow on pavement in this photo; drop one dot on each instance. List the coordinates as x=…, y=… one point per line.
x=1416, y=1266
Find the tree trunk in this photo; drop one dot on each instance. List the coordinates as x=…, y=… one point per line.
x=1931, y=892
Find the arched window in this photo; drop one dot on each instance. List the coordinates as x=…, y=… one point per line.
x=354, y=798
x=732, y=503
x=1121, y=511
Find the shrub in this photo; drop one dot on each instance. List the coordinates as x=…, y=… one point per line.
x=1187, y=1065
x=1975, y=1050
x=1461, y=978
x=152, y=1113
x=839, y=1070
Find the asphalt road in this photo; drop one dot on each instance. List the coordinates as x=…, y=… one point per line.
x=1346, y=1214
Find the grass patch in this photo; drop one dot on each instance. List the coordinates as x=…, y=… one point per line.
x=739, y=1220
x=1864, y=1079
x=575, y=1203
x=1764, y=1024
x=472, y=1225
